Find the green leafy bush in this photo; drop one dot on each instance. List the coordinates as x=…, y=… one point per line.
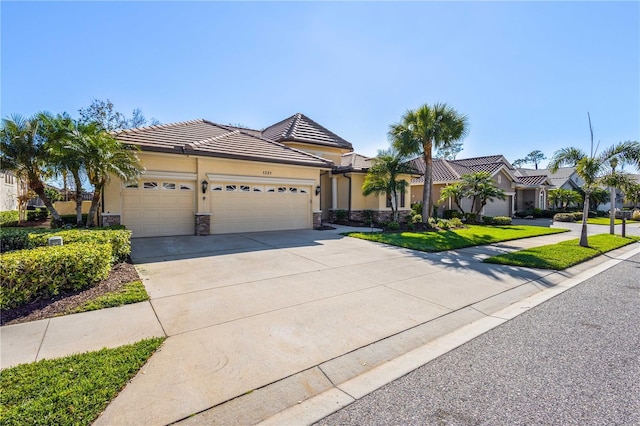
x=14, y=239
x=577, y=216
x=502, y=220
x=417, y=218
x=341, y=214
x=45, y=271
x=416, y=208
x=408, y=218
x=488, y=220
x=119, y=240
x=456, y=222
x=393, y=226
x=564, y=217
x=471, y=217
x=9, y=218
x=37, y=214
x=635, y=215
x=448, y=214
x=367, y=216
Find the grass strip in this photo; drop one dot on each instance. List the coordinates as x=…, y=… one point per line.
x=472, y=235
x=132, y=292
x=606, y=221
x=564, y=254
x=72, y=390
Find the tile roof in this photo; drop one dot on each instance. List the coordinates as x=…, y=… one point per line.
x=300, y=128
x=355, y=162
x=557, y=179
x=533, y=180
x=202, y=137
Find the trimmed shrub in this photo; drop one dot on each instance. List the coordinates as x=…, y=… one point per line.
x=564, y=217
x=14, y=239
x=45, y=271
x=635, y=215
x=470, y=217
x=443, y=224
x=37, y=214
x=119, y=240
x=72, y=220
x=488, y=220
x=448, y=214
x=577, y=216
x=456, y=222
x=408, y=218
x=367, y=216
x=393, y=226
x=9, y=218
x=341, y=214
x=502, y=220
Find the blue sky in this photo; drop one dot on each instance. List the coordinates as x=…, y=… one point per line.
x=524, y=73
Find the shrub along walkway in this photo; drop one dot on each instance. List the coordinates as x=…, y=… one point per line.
x=319, y=312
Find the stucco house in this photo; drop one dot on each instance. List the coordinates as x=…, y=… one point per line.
x=206, y=178
x=11, y=187
x=523, y=191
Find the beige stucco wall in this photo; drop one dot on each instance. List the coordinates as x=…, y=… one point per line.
x=202, y=166
x=8, y=193
x=69, y=207
x=330, y=153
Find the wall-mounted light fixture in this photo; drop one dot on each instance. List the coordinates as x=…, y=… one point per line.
x=205, y=184
x=318, y=190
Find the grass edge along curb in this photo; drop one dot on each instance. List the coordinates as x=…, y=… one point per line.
x=131, y=292
x=471, y=236
x=73, y=389
x=564, y=254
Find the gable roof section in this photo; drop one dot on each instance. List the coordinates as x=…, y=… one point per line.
x=202, y=137
x=557, y=179
x=300, y=128
x=354, y=162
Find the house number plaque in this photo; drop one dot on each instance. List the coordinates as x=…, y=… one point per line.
x=266, y=172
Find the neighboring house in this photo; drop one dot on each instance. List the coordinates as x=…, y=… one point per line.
x=10, y=189
x=201, y=177
x=564, y=177
x=522, y=192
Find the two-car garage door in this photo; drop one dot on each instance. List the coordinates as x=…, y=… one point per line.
x=160, y=207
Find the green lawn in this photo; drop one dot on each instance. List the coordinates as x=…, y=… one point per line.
x=564, y=254
x=72, y=390
x=473, y=235
x=605, y=221
x=132, y=292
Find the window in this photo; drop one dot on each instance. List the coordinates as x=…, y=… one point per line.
x=186, y=187
x=230, y=188
x=258, y=189
x=245, y=188
x=282, y=189
x=216, y=188
x=304, y=191
x=293, y=190
x=402, y=200
x=168, y=185
x=150, y=185
x=499, y=179
x=131, y=185
x=271, y=189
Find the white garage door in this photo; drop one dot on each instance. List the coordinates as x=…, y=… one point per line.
x=498, y=207
x=249, y=207
x=155, y=208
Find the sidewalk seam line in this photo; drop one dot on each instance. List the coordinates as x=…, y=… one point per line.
x=42, y=340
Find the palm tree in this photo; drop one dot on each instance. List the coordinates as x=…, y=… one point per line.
x=104, y=157
x=64, y=158
x=481, y=187
x=632, y=193
x=430, y=126
x=383, y=177
x=593, y=170
x=455, y=191
x=24, y=150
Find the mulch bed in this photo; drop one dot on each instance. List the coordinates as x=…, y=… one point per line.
x=61, y=304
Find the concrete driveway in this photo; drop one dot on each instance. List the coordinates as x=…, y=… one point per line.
x=281, y=316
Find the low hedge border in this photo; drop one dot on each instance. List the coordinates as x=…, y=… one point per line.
x=20, y=239
x=45, y=271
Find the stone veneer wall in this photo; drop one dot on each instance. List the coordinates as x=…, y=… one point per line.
x=317, y=219
x=109, y=219
x=203, y=224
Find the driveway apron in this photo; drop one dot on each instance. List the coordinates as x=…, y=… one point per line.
x=246, y=310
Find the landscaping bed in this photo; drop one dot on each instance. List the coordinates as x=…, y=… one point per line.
x=64, y=303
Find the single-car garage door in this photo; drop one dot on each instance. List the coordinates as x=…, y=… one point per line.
x=153, y=208
x=251, y=207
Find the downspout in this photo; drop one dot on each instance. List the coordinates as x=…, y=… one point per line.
x=321, y=192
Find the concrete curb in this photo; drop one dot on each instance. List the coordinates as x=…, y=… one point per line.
x=343, y=394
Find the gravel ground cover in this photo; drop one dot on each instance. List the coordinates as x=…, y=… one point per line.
x=574, y=360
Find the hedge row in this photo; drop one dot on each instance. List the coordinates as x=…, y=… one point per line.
x=567, y=217
x=19, y=239
x=43, y=272
x=497, y=220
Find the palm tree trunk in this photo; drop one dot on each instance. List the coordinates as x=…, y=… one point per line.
x=612, y=211
x=95, y=200
x=394, y=206
x=38, y=187
x=78, y=183
x=585, y=215
x=428, y=182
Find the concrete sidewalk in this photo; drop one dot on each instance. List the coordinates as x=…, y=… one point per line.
x=258, y=323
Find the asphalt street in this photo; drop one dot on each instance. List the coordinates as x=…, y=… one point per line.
x=573, y=360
